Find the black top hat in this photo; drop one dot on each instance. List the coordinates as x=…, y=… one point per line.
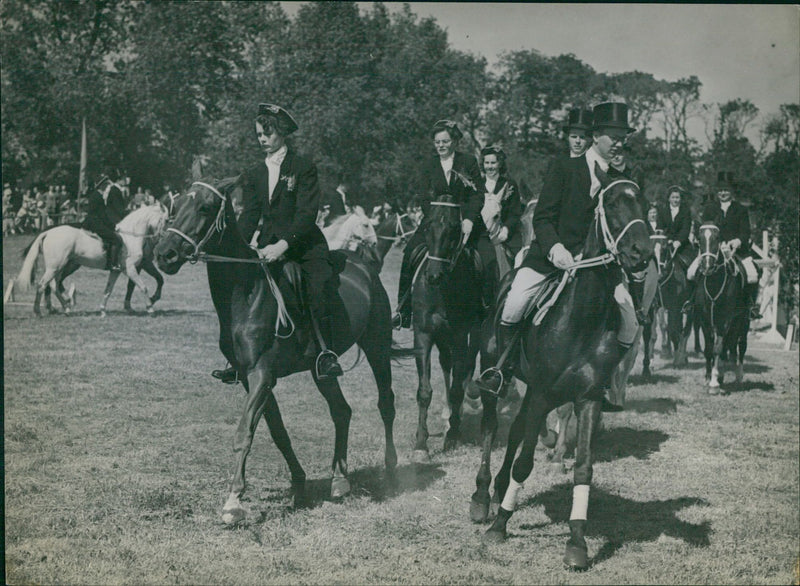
x=102, y=180
x=579, y=119
x=725, y=181
x=611, y=115
x=272, y=109
x=448, y=125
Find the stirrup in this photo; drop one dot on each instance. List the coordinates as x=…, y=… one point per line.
x=483, y=380
x=337, y=371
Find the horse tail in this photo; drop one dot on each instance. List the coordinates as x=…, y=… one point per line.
x=24, y=279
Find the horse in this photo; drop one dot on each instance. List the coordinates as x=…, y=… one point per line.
x=66, y=248
x=395, y=229
x=673, y=292
x=572, y=353
x=354, y=232
x=447, y=312
x=720, y=301
x=261, y=311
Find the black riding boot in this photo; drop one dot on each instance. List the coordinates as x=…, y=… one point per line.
x=402, y=316
x=751, y=295
x=227, y=375
x=112, y=252
x=327, y=363
x=492, y=380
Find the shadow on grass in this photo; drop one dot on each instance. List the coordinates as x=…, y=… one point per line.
x=658, y=405
x=653, y=379
x=620, y=521
x=749, y=366
x=624, y=442
x=746, y=386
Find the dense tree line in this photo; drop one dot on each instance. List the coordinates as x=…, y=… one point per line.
x=163, y=83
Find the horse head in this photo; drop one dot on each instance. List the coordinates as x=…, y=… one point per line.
x=443, y=237
x=708, y=236
x=620, y=226
x=199, y=215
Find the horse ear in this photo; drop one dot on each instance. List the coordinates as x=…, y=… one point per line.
x=601, y=175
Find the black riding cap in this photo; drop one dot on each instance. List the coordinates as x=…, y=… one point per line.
x=450, y=126
x=272, y=109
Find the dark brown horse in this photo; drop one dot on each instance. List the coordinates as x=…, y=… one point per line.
x=266, y=321
x=447, y=313
x=571, y=355
x=721, y=303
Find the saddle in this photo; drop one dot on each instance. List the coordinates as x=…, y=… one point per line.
x=296, y=284
x=545, y=296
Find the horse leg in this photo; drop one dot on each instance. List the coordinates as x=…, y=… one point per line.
x=133, y=275
x=446, y=365
x=43, y=286
x=459, y=360
x=564, y=414
x=129, y=296
x=515, y=436
x=67, y=301
x=742, y=349
x=340, y=414
x=523, y=465
x=479, y=506
x=422, y=351
x=112, y=279
x=713, y=364
x=647, y=333
x=575, y=555
x=150, y=269
x=379, y=360
x=260, y=382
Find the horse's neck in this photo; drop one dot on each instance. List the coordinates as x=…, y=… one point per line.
x=230, y=241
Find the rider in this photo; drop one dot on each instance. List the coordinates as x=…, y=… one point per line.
x=561, y=223
x=104, y=210
x=335, y=204
x=578, y=130
x=733, y=222
x=281, y=191
x=676, y=223
x=497, y=228
x=450, y=172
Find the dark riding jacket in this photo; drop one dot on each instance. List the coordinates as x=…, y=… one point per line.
x=292, y=213
x=677, y=229
x=102, y=216
x=511, y=210
x=735, y=223
x=464, y=185
x=565, y=210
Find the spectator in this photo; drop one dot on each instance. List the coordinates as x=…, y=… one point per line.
x=8, y=213
x=137, y=200
x=69, y=214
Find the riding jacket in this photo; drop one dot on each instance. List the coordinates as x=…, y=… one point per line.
x=735, y=223
x=463, y=186
x=676, y=229
x=103, y=215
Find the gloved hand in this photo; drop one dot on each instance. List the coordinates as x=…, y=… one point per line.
x=676, y=245
x=502, y=236
x=273, y=252
x=466, y=229
x=734, y=243
x=560, y=256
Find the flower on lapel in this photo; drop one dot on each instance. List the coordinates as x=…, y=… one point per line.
x=509, y=191
x=290, y=180
x=465, y=180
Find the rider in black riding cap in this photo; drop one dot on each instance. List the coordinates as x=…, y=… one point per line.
x=105, y=209
x=281, y=191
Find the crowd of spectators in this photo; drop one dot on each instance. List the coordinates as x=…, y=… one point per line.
x=28, y=211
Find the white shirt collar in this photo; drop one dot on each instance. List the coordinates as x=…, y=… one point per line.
x=491, y=184
x=725, y=205
x=276, y=158
x=447, y=163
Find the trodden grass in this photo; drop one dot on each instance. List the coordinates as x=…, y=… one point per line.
x=118, y=450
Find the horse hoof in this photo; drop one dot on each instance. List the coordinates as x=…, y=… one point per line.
x=103, y=314
x=478, y=512
x=450, y=443
x=549, y=439
x=150, y=310
x=420, y=456
x=646, y=374
x=340, y=487
x=298, y=492
x=233, y=516
x=494, y=536
x=558, y=467
x=576, y=558
x=713, y=390
x=494, y=507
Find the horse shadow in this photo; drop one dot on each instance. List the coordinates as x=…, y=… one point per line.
x=620, y=521
x=625, y=442
x=653, y=379
x=746, y=386
x=661, y=405
x=749, y=366
x=372, y=482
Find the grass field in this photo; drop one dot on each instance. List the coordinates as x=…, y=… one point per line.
x=118, y=451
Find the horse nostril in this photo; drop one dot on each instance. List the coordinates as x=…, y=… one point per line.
x=170, y=255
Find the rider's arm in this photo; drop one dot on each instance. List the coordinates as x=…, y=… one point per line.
x=252, y=206
x=512, y=209
x=306, y=202
x=684, y=226
x=475, y=199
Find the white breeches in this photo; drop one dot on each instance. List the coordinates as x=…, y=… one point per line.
x=522, y=289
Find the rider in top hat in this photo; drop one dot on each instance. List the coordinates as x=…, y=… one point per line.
x=449, y=172
x=578, y=128
x=676, y=222
x=561, y=222
x=733, y=222
x=105, y=209
x=282, y=192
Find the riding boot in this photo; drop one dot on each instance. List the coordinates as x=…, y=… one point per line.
x=751, y=297
x=402, y=316
x=111, y=254
x=229, y=376
x=687, y=305
x=492, y=380
x=327, y=363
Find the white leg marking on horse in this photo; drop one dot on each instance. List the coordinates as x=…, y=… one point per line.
x=512, y=495
x=580, y=502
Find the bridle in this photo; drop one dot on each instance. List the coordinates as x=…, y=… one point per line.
x=217, y=226
x=283, y=318
x=460, y=247
x=398, y=228
x=610, y=242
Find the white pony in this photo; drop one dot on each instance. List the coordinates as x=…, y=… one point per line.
x=348, y=231
x=69, y=247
